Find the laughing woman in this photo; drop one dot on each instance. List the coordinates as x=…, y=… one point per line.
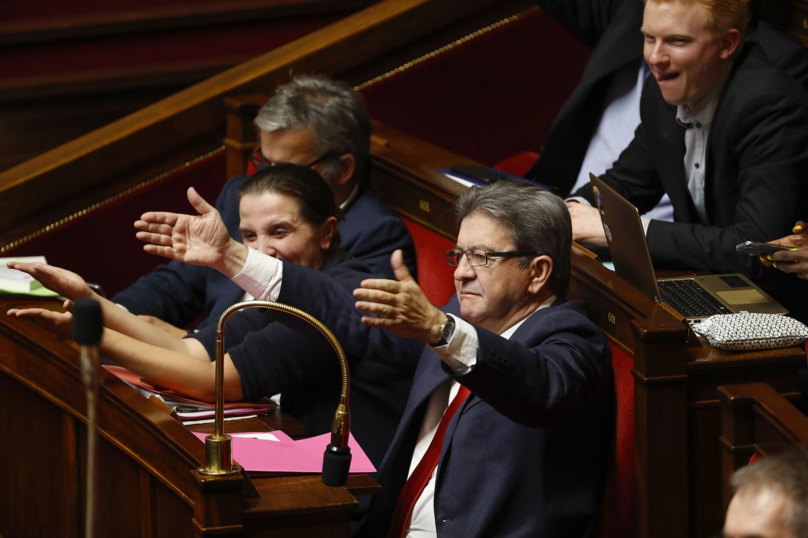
x=288, y=212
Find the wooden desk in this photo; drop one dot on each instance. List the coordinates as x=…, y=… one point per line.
x=149, y=485
x=676, y=406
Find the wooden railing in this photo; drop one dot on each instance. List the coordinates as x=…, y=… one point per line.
x=757, y=421
x=189, y=123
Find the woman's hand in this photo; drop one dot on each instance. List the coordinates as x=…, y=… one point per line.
x=60, y=323
x=65, y=283
x=199, y=240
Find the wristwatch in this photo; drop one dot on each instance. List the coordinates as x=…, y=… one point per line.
x=446, y=332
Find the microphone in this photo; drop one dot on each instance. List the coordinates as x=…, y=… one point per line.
x=88, y=327
x=218, y=447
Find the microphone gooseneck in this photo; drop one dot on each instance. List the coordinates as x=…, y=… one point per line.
x=218, y=447
x=88, y=327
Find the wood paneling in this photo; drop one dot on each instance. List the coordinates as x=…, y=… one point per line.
x=149, y=484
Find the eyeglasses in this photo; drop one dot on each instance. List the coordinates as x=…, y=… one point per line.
x=479, y=258
x=260, y=162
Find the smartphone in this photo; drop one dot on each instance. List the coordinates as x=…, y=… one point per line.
x=751, y=247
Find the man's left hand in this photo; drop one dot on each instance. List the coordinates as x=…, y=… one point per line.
x=403, y=307
x=586, y=224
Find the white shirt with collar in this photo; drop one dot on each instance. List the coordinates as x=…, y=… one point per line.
x=697, y=125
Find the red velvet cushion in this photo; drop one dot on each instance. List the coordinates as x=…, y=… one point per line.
x=435, y=275
x=518, y=164
x=618, y=519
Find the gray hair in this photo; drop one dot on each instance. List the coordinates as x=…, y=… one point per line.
x=786, y=472
x=537, y=222
x=331, y=109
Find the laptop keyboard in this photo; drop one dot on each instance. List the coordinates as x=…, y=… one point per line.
x=688, y=298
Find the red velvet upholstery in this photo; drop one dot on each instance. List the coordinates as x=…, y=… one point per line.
x=618, y=514
x=101, y=245
x=518, y=164
x=435, y=275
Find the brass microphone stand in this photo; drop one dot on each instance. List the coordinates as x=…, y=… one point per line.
x=218, y=447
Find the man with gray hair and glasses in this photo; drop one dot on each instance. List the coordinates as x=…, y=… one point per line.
x=506, y=428
x=771, y=498
x=312, y=121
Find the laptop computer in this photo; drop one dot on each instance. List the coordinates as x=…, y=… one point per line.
x=696, y=297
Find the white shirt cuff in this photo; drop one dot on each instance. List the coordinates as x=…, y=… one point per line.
x=261, y=276
x=461, y=351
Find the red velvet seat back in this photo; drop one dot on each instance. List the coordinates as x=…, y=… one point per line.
x=618, y=517
x=435, y=275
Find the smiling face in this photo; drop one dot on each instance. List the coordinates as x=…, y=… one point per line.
x=272, y=224
x=494, y=296
x=686, y=58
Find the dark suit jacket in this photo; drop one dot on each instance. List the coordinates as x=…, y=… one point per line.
x=755, y=180
x=178, y=292
x=525, y=454
x=612, y=28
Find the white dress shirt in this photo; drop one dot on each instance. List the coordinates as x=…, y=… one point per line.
x=615, y=131
x=697, y=125
x=619, y=120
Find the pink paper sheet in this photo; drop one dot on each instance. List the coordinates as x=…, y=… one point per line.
x=289, y=456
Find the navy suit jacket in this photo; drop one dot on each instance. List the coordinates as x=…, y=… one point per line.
x=178, y=292
x=612, y=28
x=525, y=455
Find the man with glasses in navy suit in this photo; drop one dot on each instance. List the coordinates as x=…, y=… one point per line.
x=506, y=428
x=312, y=121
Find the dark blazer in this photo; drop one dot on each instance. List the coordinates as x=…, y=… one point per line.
x=525, y=454
x=612, y=28
x=178, y=292
x=755, y=180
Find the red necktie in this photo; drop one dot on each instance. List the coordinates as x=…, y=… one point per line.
x=423, y=471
